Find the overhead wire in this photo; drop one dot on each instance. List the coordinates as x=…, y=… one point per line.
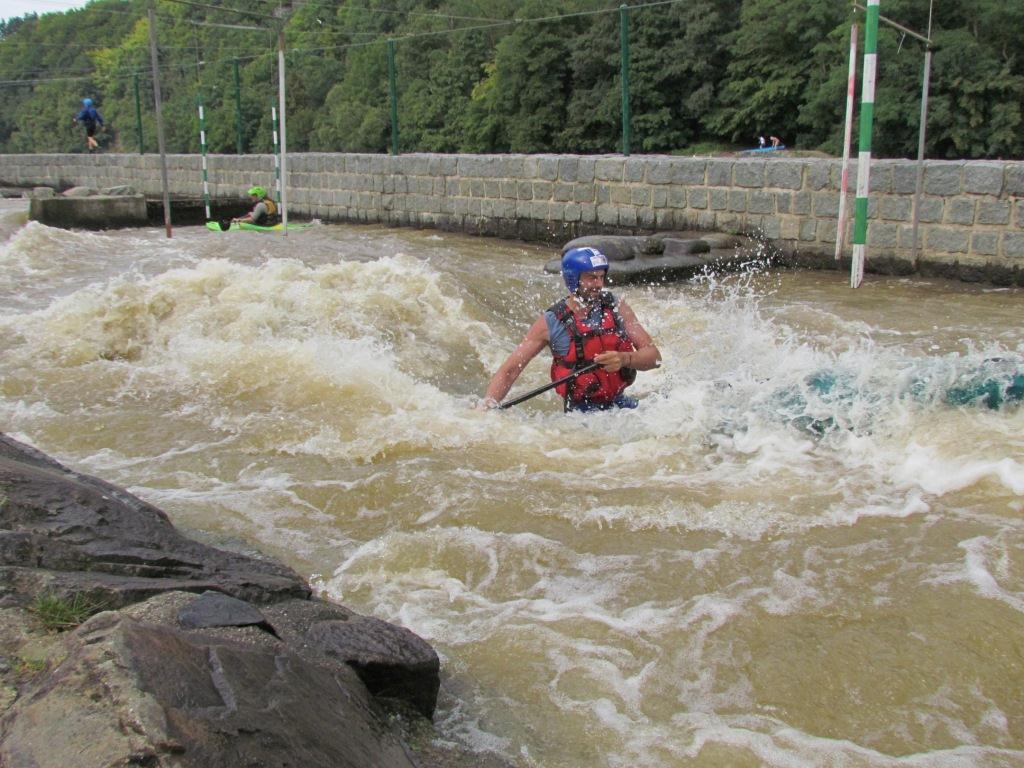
x=302, y=3
x=380, y=38
x=161, y=17
x=207, y=6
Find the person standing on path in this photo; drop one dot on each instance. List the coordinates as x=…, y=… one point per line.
x=90, y=118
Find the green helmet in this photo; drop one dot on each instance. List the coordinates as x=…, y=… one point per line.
x=257, y=191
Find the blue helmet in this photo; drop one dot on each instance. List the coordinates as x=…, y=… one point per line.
x=87, y=102
x=579, y=260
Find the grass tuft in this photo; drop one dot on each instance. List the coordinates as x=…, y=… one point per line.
x=58, y=614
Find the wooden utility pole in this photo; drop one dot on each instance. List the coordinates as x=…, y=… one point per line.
x=159, y=118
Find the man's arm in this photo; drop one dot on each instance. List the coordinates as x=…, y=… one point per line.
x=646, y=355
x=535, y=340
x=251, y=215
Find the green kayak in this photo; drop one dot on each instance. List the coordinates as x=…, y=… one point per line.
x=234, y=226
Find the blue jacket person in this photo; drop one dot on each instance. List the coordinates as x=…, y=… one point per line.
x=90, y=118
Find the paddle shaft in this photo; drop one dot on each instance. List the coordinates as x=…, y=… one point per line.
x=552, y=385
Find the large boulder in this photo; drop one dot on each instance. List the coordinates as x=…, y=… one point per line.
x=391, y=661
x=66, y=533
x=211, y=658
x=136, y=693
x=394, y=664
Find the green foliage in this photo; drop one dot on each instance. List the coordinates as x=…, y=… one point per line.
x=58, y=614
x=769, y=69
x=512, y=76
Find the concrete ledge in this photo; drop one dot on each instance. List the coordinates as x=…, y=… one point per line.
x=94, y=212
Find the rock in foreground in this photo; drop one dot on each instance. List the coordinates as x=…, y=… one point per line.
x=193, y=656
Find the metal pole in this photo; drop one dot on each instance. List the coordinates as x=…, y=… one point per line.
x=238, y=110
x=202, y=147
x=284, y=133
x=393, y=90
x=925, y=82
x=138, y=115
x=277, y=157
x=867, y=114
x=920, y=154
x=851, y=87
x=159, y=118
x=624, y=52
x=900, y=27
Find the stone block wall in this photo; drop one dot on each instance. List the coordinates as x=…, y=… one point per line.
x=971, y=215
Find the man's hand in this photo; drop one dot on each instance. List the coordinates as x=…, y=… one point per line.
x=612, y=361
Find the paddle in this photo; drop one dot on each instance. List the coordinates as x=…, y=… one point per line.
x=546, y=387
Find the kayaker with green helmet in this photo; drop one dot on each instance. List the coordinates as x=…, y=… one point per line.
x=590, y=325
x=264, y=211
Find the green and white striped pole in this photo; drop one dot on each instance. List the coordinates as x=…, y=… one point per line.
x=202, y=146
x=867, y=114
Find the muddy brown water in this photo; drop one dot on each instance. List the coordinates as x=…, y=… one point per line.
x=748, y=570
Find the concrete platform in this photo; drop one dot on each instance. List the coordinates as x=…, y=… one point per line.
x=92, y=212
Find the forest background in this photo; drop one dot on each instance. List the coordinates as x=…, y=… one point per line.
x=496, y=76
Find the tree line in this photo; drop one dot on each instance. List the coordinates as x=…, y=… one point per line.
x=495, y=76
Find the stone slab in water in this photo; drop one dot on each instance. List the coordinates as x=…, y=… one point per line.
x=89, y=212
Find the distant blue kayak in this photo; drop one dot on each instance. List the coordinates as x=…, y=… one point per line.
x=759, y=150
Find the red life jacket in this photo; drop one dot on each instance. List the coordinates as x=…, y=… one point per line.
x=597, y=386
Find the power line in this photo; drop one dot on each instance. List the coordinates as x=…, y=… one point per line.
x=126, y=74
x=381, y=38
x=220, y=8
x=170, y=19
x=84, y=45
x=452, y=17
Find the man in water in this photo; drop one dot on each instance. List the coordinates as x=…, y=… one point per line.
x=264, y=211
x=90, y=118
x=588, y=326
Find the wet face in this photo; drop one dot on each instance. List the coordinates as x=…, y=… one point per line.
x=591, y=285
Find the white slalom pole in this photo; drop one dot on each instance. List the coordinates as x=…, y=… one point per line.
x=277, y=158
x=851, y=87
x=867, y=115
x=284, y=132
x=202, y=145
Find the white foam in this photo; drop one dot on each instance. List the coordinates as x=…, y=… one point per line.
x=977, y=571
x=941, y=476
